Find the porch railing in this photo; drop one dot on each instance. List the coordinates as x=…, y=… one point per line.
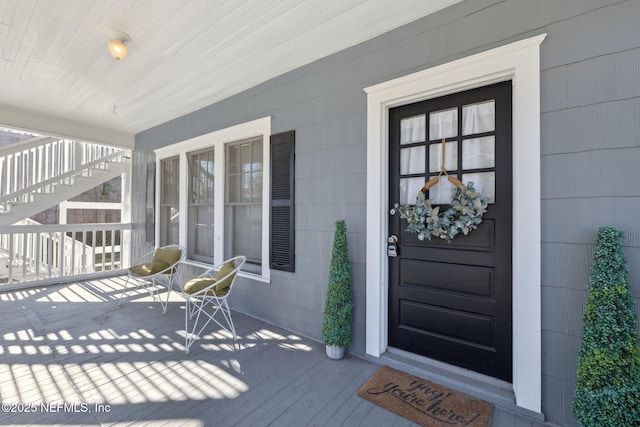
x=55, y=253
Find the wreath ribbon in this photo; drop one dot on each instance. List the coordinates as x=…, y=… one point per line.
x=443, y=171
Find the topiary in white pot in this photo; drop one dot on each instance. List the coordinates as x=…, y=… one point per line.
x=336, y=322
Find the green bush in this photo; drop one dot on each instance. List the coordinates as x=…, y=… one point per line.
x=608, y=374
x=336, y=323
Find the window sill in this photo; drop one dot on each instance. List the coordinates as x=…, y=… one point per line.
x=255, y=277
x=244, y=274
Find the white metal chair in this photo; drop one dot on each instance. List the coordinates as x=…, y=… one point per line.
x=158, y=267
x=206, y=296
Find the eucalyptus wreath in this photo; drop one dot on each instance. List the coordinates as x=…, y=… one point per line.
x=464, y=214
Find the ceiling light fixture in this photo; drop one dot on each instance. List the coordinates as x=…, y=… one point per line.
x=117, y=47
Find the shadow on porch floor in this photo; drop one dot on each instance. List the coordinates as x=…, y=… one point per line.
x=71, y=356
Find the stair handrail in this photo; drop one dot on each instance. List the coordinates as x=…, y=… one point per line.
x=30, y=162
x=59, y=178
x=26, y=145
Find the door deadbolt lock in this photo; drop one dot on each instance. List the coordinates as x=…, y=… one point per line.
x=392, y=247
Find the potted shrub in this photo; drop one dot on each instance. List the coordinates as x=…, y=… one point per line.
x=336, y=322
x=608, y=374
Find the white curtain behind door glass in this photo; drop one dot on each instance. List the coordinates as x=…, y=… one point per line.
x=409, y=188
x=478, y=118
x=440, y=194
x=412, y=160
x=443, y=124
x=478, y=153
x=412, y=129
x=450, y=156
x=483, y=182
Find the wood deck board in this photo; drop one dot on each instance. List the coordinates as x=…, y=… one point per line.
x=343, y=400
x=74, y=344
x=313, y=392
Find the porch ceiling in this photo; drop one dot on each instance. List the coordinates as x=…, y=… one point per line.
x=183, y=55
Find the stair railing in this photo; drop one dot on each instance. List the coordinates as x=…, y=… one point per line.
x=33, y=167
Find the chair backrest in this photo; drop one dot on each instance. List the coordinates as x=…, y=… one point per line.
x=164, y=253
x=230, y=276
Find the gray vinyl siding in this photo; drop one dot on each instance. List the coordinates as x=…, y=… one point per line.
x=590, y=148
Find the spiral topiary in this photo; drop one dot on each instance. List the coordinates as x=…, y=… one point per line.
x=608, y=374
x=336, y=323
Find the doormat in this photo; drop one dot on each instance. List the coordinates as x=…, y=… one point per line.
x=424, y=402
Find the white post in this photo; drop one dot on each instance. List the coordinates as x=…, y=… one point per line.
x=63, y=213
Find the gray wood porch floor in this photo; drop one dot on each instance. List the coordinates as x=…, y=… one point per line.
x=126, y=366
x=72, y=344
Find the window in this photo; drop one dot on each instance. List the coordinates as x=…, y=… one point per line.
x=201, y=205
x=220, y=182
x=169, y=208
x=243, y=200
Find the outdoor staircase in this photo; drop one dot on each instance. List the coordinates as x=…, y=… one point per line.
x=43, y=172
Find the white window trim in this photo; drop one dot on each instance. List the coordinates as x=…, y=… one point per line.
x=519, y=62
x=217, y=140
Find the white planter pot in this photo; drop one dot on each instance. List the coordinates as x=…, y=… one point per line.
x=335, y=352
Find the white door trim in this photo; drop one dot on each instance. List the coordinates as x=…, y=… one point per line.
x=519, y=62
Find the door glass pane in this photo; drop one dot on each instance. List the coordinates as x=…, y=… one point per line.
x=440, y=194
x=483, y=182
x=409, y=188
x=479, y=153
x=478, y=118
x=412, y=160
x=450, y=156
x=443, y=124
x=412, y=129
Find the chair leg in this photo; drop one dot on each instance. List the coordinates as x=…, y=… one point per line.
x=187, y=341
x=226, y=312
x=159, y=297
x=169, y=289
x=125, y=292
x=152, y=287
x=193, y=308
x=149, y=284
x=196, y=308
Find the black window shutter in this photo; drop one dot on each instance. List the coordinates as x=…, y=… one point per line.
x=282, y=201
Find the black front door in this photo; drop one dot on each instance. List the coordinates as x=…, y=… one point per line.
x=452, y=301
